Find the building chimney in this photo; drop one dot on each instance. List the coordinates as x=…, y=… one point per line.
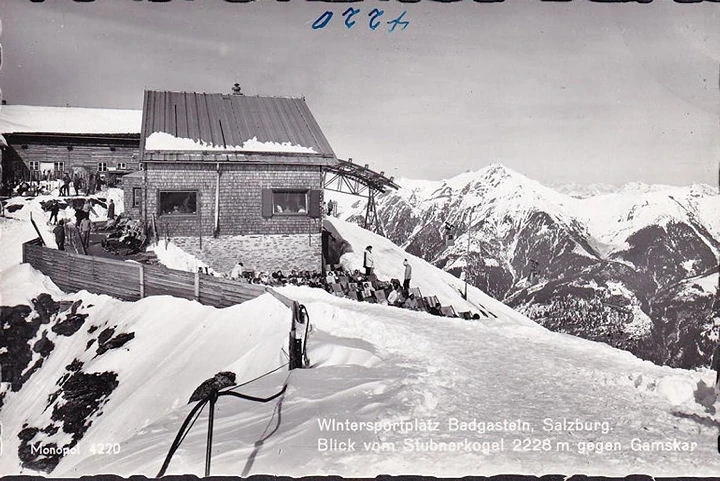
x=236, y=90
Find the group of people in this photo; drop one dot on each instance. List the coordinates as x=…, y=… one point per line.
x=82, y=221
x=25, y=188
x=369, y=266
x=277, y=278
x=93, y=184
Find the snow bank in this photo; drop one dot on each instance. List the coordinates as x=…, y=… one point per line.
x=21, y=283
x=177, y=344
x=163, y=141
x=676, y=389
x=173, y=257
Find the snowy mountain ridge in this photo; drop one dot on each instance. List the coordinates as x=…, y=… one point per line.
x=542, y=251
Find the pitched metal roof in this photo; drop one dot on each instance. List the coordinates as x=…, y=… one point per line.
x=230, y=126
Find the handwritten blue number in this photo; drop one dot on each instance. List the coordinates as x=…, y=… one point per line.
x=350, y=13
x=375, y=14
x=322, y=20
x=398, y=21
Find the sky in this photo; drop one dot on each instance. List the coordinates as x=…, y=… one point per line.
x=563, y=92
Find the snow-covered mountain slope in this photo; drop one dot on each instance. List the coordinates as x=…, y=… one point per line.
x=591, y=266
x=373, y=364
x=613, y=218
x=438, y=396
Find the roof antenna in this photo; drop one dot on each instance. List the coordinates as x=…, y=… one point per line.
x=236, y=90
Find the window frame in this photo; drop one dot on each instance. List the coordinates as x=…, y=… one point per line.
x=59, y=166
x=137, y=197
x=303, y=191
x=178, y=214
x=34, y=165
x=102, y=167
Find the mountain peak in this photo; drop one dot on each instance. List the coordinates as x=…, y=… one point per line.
x=493, y=174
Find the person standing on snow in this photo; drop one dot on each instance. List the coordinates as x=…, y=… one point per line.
x=85, y=232
x=54, y=209
x=368, y=261
x=65, y=189
x=59, y=232
x=408, y=275
x=111, y=210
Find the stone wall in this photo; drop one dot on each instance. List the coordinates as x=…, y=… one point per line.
x=257, y=252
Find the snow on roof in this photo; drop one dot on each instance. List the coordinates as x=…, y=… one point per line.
x=164, y=141
x=229, y=123
x=68, y=120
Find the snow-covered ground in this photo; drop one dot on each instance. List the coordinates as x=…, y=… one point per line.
x=428, y=395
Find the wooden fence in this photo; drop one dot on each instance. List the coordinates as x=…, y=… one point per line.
x=132, y=281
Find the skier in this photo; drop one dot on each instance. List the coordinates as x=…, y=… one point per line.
x=368, y=261
x=85, y=232
x=59, y=232
x=408, y=275
x=111, y=210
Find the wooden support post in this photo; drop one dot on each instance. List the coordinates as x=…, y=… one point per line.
x=294, y=359
x=197, y=286
x=211, y=419
x=216, y=230
x=142, y=281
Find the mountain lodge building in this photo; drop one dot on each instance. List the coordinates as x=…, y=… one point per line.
x=232, y=178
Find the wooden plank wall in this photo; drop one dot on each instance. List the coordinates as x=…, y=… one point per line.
x=132, y=281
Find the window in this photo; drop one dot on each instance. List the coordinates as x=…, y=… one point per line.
x=137, y=195
x=102, y=166
x=34, y=165
x=291, y=202
x=122, y=166
x=178, y=202
x=59, y=166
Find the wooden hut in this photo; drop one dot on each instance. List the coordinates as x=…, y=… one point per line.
x=44, y=143
x=232, y=178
